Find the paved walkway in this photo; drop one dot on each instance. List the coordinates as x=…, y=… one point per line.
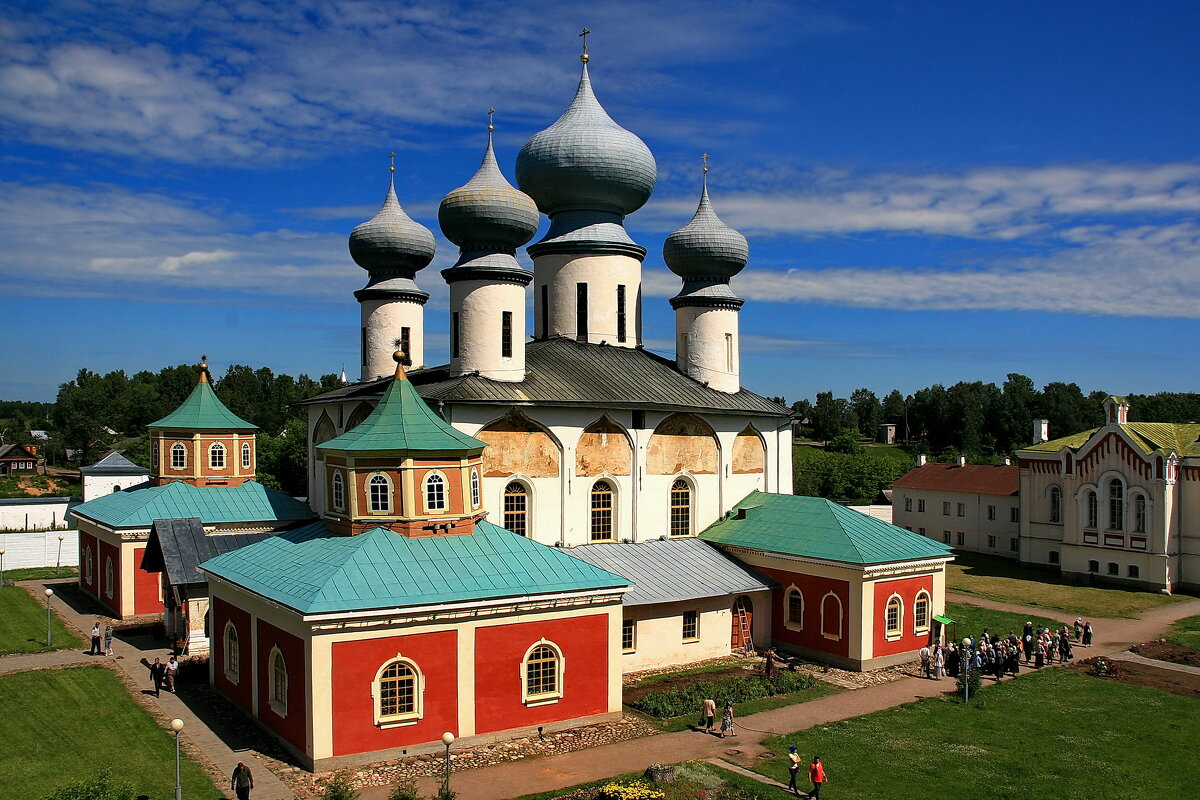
x=1154, y=662
x=128, y=653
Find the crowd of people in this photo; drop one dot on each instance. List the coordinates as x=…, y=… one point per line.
x=998, y=656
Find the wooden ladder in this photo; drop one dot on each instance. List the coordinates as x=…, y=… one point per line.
x=744, y=628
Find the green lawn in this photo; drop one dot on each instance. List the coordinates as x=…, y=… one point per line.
x=1004, y=581
x=1050, y=734
x=23, y=624
x=60, y=726
x=675, y=724
x=11, y=486
x=694, y=779
x=1186, y=632
x=40, y=573
x=971, y=620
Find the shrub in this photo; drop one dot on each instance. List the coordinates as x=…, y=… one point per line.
x=688, y=698
x=975, y=676
x=405, y=789
x=339, y=788
x=100, y=786
x=629, y=791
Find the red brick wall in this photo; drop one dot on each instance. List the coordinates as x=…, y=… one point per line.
x=240, y=692
x=814, y=590
x=499, y=651
x=355, y=665
x=293, y=726
x=145, y=586
x=907, y=589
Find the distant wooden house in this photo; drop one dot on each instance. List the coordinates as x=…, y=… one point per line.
x=20, y=459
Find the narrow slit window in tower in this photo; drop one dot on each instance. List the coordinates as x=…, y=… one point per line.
x=454, y=335
x=406, y=342
x=364, y=345
x=545, y=311
x=621, y=313
x=506, y=334
x=581, y=311
x=729, y=352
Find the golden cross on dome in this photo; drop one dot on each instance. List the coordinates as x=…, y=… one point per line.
x=491, y=126
x=704, y=158
x=584, y=35
x=391, y=162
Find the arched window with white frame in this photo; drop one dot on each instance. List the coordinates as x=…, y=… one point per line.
x=178, y=456
x=1139, y=514
x=893, y=617
x=921, y=612
x=338, y=491
x=542, y=673
x=831, y=616
x=379, y=494
x=277, y=680
x=435, y=492
x=246, y=455
x=232, y=655
x=793, y=608
x=399, y=691
x=681, y=508
x=602, y=518
x=1092, y=508
x=1055, y=504
x=216, y=456
x=1116, y=505
x=475, y=499
x=516, y=508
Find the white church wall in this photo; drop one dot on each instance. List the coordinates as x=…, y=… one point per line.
x=382, y=321
x=561, y=273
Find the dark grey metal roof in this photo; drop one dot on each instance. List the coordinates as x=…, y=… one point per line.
x=179, y=546
x=671, y=570
x=114, y=464
x=564, y=372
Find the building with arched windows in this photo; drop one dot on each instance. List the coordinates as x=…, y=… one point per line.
x=1115, y=503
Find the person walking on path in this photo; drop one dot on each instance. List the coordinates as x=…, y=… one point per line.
x=708, y=714
x=172, y=669
x=770, y=665
x=158, y=672
x=1087, y=634
x=108, y=634
x=793, y=769
x=925, y=656
x=727, y=720
x=96, y=651
x=242, y=781
x=1078, y=628
x=816, y=774
x=939, y=662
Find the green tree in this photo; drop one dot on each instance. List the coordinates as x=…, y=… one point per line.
x=283, y=459
x=101, y=786
x=828, y=416
x=867, y=408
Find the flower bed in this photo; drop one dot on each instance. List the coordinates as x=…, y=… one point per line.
x=687, y=699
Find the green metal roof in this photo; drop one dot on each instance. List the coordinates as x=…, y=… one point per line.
x=1178, y=437
x=139, y=507
x=813, y=527
x=403, y=421
x=203, y=410
x=314, y=570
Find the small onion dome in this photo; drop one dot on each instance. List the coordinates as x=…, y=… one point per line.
x=488, y=211
x=391, y=241
x=706, y=248
x=586, y=161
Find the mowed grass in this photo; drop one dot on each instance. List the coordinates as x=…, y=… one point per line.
x=61, y=726
x=1006, y=582
x=1186, y=632
x=23, y=625
x=971, y=620
x=1049, y=734
x=693, y=779
x=40, y=573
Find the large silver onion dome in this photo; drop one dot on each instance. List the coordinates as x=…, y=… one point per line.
x=586, y=161
x=706, y=248
x=488, y=211
x=391, y=241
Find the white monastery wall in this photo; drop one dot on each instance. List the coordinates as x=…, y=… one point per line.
x=658, y=638
x=23, y=550
x=973, y=525
x=36, y=513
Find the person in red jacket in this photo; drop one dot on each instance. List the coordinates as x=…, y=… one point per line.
x=816, y=774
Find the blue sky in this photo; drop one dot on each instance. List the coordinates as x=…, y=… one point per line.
x=932, y=191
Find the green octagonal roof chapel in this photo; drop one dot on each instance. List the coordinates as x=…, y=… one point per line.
x=203, y=410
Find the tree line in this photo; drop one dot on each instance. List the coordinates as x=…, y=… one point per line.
x=980, y=420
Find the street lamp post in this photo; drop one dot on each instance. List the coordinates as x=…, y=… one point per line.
x=177, y=726
x=447, y=739
x=49, y=630
x=1, y=567
x=58, y=564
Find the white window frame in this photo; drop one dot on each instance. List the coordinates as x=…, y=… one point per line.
x=1116, y=519
x=527, y=490
x=435, y=478
x=337, y=491
x=1055, y=498
x=631, y=624
x=684, y=625
x=543, y=698
x=276, y=695
x=217, y=456
x=108, y=577
x=917, y=626
x=1139, y=513
x=247, y=456
x=889, y=633
x=387, y=483
x=476, y=497
x=841, y=617
x=612, y=509
x=406, y=717
x=233, y=673
x=178, y=449
x=792, y=590
x=691, y=505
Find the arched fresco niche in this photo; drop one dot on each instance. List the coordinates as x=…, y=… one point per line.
x=603, y=448
x=516, y=444
x=361, y=412
x=749, y=455
x=324, y=430
x=682, y=442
